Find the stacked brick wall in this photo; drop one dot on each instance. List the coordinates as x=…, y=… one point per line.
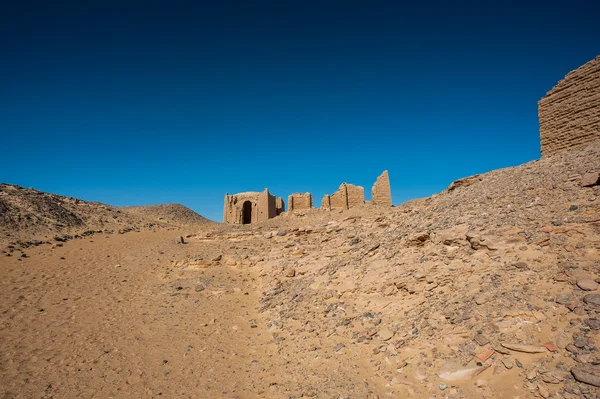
x=569, y=114
x=356, y=195
x=300, y=201
x=346, y=197
x=339, y=199
x=381, y=193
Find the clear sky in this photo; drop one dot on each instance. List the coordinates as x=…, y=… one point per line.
x=133, y=103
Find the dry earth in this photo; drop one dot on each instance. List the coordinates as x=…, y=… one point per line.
x=488, y=289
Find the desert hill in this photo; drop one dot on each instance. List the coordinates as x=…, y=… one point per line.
x=29, y=213
x=175, y=214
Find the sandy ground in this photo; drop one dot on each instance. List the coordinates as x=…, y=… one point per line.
x=74, y=324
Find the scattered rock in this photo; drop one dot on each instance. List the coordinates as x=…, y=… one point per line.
x=590, y=179
x=585, y=377
x=592, y=299
x=508, y=363
x=179, y=240
x=524, y=348
x=385, y=334
x=587, y=284
x=289, y=272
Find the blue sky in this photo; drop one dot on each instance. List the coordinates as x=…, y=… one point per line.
x=133, y=103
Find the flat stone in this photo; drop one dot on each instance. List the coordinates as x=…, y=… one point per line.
x=592, y=299
x=590, y=179
x=289, y=273
x=585, y=377
x=481, y=339
x=524, y=348
x=508, y=363
x=587, y=284
x=385, y=334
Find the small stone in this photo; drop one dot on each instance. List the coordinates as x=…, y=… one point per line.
x=385, y=334
x=592, y=299
x=572, y=348
x=199, y=288
x=443, y=386
x=179, y=240
x=592, y=323
x=590, y=179
x=585, y=377
x=481, y=339
x=290, y=272
x=543, y=391
x=550, y=346
x=561, y=341
x=508, y=363
x=587, y=284
x=338, y=347
x=485, y=355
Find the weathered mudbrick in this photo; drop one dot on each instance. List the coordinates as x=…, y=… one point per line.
x=569, y=114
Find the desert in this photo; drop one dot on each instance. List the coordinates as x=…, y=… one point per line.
x=222, y=202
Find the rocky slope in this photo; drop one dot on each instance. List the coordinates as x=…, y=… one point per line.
x=175, y=214
x=488, y=289
x=26, y=213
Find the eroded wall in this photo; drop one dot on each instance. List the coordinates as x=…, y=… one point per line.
x=381, y=193
x=346, y=197
x=569, y=114
x=279, y=206
x=300, y=201
x=263, y=207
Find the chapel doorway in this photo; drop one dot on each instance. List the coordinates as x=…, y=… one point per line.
x=247, y=212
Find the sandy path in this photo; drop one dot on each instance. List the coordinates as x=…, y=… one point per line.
x=83, y=327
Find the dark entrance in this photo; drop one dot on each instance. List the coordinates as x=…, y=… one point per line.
x=247, y=212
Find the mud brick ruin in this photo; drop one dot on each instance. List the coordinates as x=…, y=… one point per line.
x=300, y=201
x=253, y=207
x=569, y=114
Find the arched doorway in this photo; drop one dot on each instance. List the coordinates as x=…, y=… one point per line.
x=247, y=212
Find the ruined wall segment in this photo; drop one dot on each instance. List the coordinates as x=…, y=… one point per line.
x=279, y=206
x=346, y=197
x=356, y=195
x=300, y=201
x=339, y=199
x=381, y=193
x=326, y=202
x=569, y=114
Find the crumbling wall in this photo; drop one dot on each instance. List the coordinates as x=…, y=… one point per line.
x=326, y=202
x=279, y=206
x=339, y=199
x=356, y=195
x=569, y=114
x=346, y=197
x=381, y=193
x=300, y=201
x=266, y=207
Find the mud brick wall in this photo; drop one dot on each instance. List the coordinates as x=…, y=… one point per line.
x=279, y=206
x=299, y=201
x=339, y=199
x=569, y=114
x=356, y=195
x=381, y=193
